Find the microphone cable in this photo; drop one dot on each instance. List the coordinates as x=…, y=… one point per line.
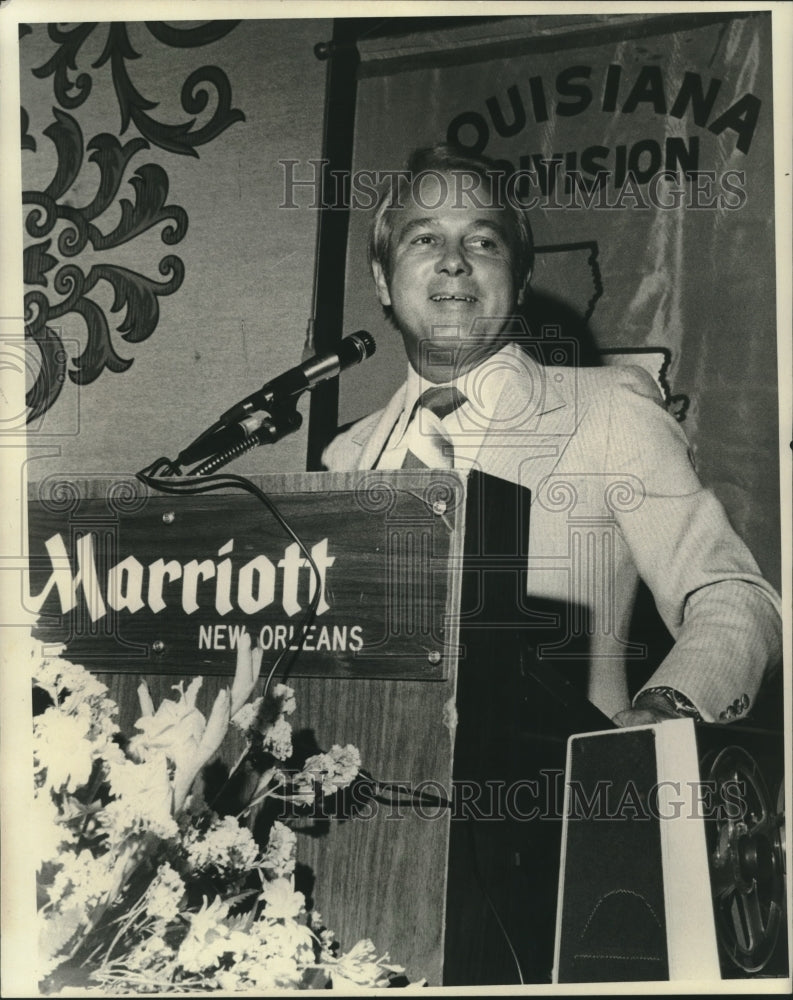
x=469, y=824
x=193, y=485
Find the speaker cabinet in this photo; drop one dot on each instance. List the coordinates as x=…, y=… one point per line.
x=673, y=859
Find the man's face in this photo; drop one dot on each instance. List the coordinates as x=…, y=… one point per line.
x=451, y=286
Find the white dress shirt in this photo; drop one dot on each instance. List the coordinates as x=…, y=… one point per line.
x=468, y=426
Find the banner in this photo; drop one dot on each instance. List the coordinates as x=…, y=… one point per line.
x=642, y=148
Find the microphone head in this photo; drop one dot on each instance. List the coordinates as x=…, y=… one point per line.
x=367, y=342
x=356, y=348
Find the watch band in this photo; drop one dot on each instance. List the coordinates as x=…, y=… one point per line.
x=677, y=702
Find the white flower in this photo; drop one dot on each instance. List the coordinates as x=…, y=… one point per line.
x=274, y=973
x=279, y=952
x=279, y=856
x=135, y=807
x=238, y=944
x=360, y=966
x=246, y=717
x=226, y=845
x=76, y=692
x=82, y=881
x=249, y=663
x=206, y=940
x=285, y=695
x=333, y=770
x=58, y=676
x=142, y=798
x=286, y=937
x=230, y=980
x=164, y=894
x=347, y=764
x=62, y=751
x=327, y=940
x=179, y=731
x=262, y=714
x=48, y=834
x=174, y=729
x=283, y=903
x=277, y=739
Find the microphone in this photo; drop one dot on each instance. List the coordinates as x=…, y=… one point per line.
x=351, y=351
x=246, y=417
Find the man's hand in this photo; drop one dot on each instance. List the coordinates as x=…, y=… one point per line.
x=643, y=716
x=655, y=705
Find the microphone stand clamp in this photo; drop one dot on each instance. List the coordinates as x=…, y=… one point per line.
x=283, y=418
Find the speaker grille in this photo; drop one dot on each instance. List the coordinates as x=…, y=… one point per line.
x=613, y=922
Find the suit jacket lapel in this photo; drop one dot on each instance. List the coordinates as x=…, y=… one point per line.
x=373, y=443
x=534, y=419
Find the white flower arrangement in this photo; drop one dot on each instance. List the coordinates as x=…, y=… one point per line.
x=142, y=886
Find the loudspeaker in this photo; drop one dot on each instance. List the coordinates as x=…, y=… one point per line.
x=673, y=856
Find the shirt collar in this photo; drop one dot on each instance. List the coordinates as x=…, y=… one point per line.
x=474, y=384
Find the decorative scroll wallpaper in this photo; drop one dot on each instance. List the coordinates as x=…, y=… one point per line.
x=58, y=277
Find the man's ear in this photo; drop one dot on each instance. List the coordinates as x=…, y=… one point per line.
x=523, y=289
x=380, y=283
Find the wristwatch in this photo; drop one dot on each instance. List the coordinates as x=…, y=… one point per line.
x=676, y=702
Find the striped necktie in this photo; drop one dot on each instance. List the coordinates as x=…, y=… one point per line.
x=429, y=445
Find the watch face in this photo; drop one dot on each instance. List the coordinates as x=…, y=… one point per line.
x=674, y=700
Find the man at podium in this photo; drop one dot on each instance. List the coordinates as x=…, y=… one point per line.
x=451, y=255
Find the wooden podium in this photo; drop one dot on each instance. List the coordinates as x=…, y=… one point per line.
x=420, y=654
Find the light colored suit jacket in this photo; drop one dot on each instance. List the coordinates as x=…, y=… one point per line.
x=614, y=497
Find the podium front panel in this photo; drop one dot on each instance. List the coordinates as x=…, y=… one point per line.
x=421, y=574
x=131, y=581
